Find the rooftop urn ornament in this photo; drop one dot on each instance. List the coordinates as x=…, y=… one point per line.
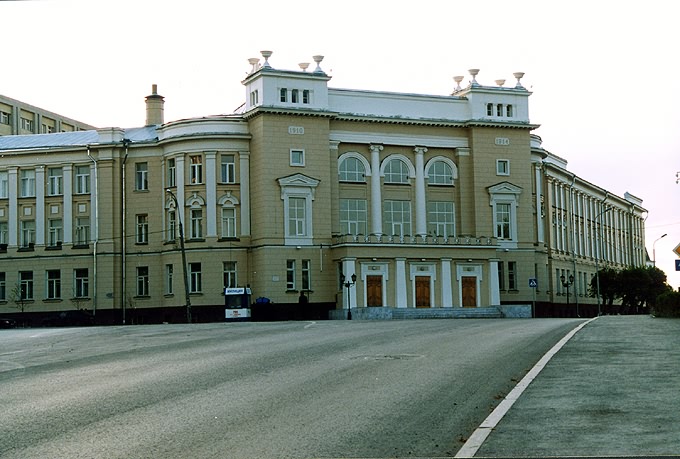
x=266, y=55
x=254, y=61
x=318, y=59
x=473, y=74
x=458, y=79
x=304, y=66
x=500, y=82
x=519, y=76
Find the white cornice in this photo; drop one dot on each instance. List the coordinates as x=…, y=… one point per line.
x=396, y=139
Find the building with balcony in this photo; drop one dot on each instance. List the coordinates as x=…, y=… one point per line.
x=432, y=203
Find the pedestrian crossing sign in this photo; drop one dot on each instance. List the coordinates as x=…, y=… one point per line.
x=533, y=282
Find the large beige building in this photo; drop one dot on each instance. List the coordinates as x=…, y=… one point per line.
x=436, y=203
x=20, y=118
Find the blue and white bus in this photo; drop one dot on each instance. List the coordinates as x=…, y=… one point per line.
x=237, y=304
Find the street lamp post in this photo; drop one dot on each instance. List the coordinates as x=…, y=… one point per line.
x=654, y=248
x=597, y=258
x=187, y=299
x=347, y=285
x=567, y=283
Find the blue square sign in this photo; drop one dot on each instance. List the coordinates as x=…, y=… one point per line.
x=677, y=265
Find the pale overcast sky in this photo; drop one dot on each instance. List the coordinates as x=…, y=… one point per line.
x=602, y=72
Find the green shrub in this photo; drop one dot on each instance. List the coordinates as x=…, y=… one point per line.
x=667, y=305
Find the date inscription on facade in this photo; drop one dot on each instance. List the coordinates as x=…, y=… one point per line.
x=296, y=130
x=502, y=141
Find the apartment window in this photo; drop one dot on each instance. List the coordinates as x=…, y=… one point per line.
x=305, y=96
x=499, y=110
x=501, y=276
x=297, y=222
x=228, y=169
x=297, y=157
x=195, y=277
x=512, y=275
x=47, y=129
x=290, y=274
x=27, y=181
x=502, y=167
x=26, y=285
x=283, y=95
x=82, y=179
x=229, y=274
x=440, y=219
x=353, y=216
x=172, y=225
x=172, y=172
x=5, y=118
x=142, y=231
x=489, y=109
x=142, y=281
x=53, y=284
x=396, y=171
x=4, y=226
x=254, y=97
x=27, y=233
x=54, y=232
x=4, y=185
x=3, y=287
x=397, y=217
x=306, y=275
x=82, y=231
x=503, y=221
x=55, y=178
x=440, y=173
x=196, y=171
x=508, y=111
x=169, y=272
x=141, y=176
x=352, y=170
x=27, y=125
x=81, y=287
x=228, y=222
x=294, y=95
x=196, y=224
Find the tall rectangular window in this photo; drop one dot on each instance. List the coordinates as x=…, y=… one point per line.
x=397, y=217
x=503, y=221
x=196, y=171
x=353, y=216
x=141, y=176
x=297, y=225
x=172, y=172
x=53, y=284
x=81, y=283
x=55, y=232
x=228, y=222
x=26, y=285
x=305, y=96
x=142, y=281
x=440, y=218
x=27, y=183
x=306, y=275
x=228, y=169
x=4, y=185
x=501, y=276
x=294, y=96
x=82, y=231
x=55, y=181
x=4, y=226
x=5, y=118
x=169, y=273
x=27, y=233
x=195, y=279
x=512, y=275
x=196, y=223
x=290, y=274
x=3, y=287
x=229, y=274
x=142, y=231
x=172, y=225
x=82, y=179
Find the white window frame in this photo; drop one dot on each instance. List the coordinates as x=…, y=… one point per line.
x=306, y=275
x=352, y=169
x=55, y=232
x=503, y=167
x=441, y=218
x=4, y=185
x=142, y=280
x=401, y=226
x=228, y=168
x=81, y=283
x=27, y=180
x=27, y=233
x=141, y=176
x=55, y=181
x=353, y=216
x=302, y=187
x=505, y=193
x=82, y=179
x=172, y=172
x=142, y=229
x=169, y=273
x=228, y=226
x=196, y=223
x=82, y=230
x=297, y=157
x=195, y=278
x=26, y=285
x=53, y=284
x=290, y=275
x=195, y=169
x=229, y=274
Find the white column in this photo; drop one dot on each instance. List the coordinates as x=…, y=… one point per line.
x=210, y=193
x=180, y=177
x=40, y=205
x=67, y=213
x=244, y=178
x=494, y=292
x=13, y=214
x=447, y=290
x=539, y=205
x=421, y=211
x=401, y=281
x=376, y=199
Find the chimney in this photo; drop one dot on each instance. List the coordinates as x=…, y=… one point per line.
x=154, y=107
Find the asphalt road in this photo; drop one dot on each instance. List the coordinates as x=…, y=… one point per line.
x=260, y=390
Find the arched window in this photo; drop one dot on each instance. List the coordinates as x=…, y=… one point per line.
x=352, y=170
x=440, y=173
x=396, y=171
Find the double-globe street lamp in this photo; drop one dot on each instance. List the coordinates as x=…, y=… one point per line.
x=187, y=299
x=347, y=285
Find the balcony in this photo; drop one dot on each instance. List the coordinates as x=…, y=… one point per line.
x=372, y=239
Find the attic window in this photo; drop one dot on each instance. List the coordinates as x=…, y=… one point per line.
x=294, y=97
x=305, y=96
x=284, y=95
x=508, y=111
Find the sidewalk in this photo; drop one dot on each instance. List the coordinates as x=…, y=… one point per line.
x=613, y=389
